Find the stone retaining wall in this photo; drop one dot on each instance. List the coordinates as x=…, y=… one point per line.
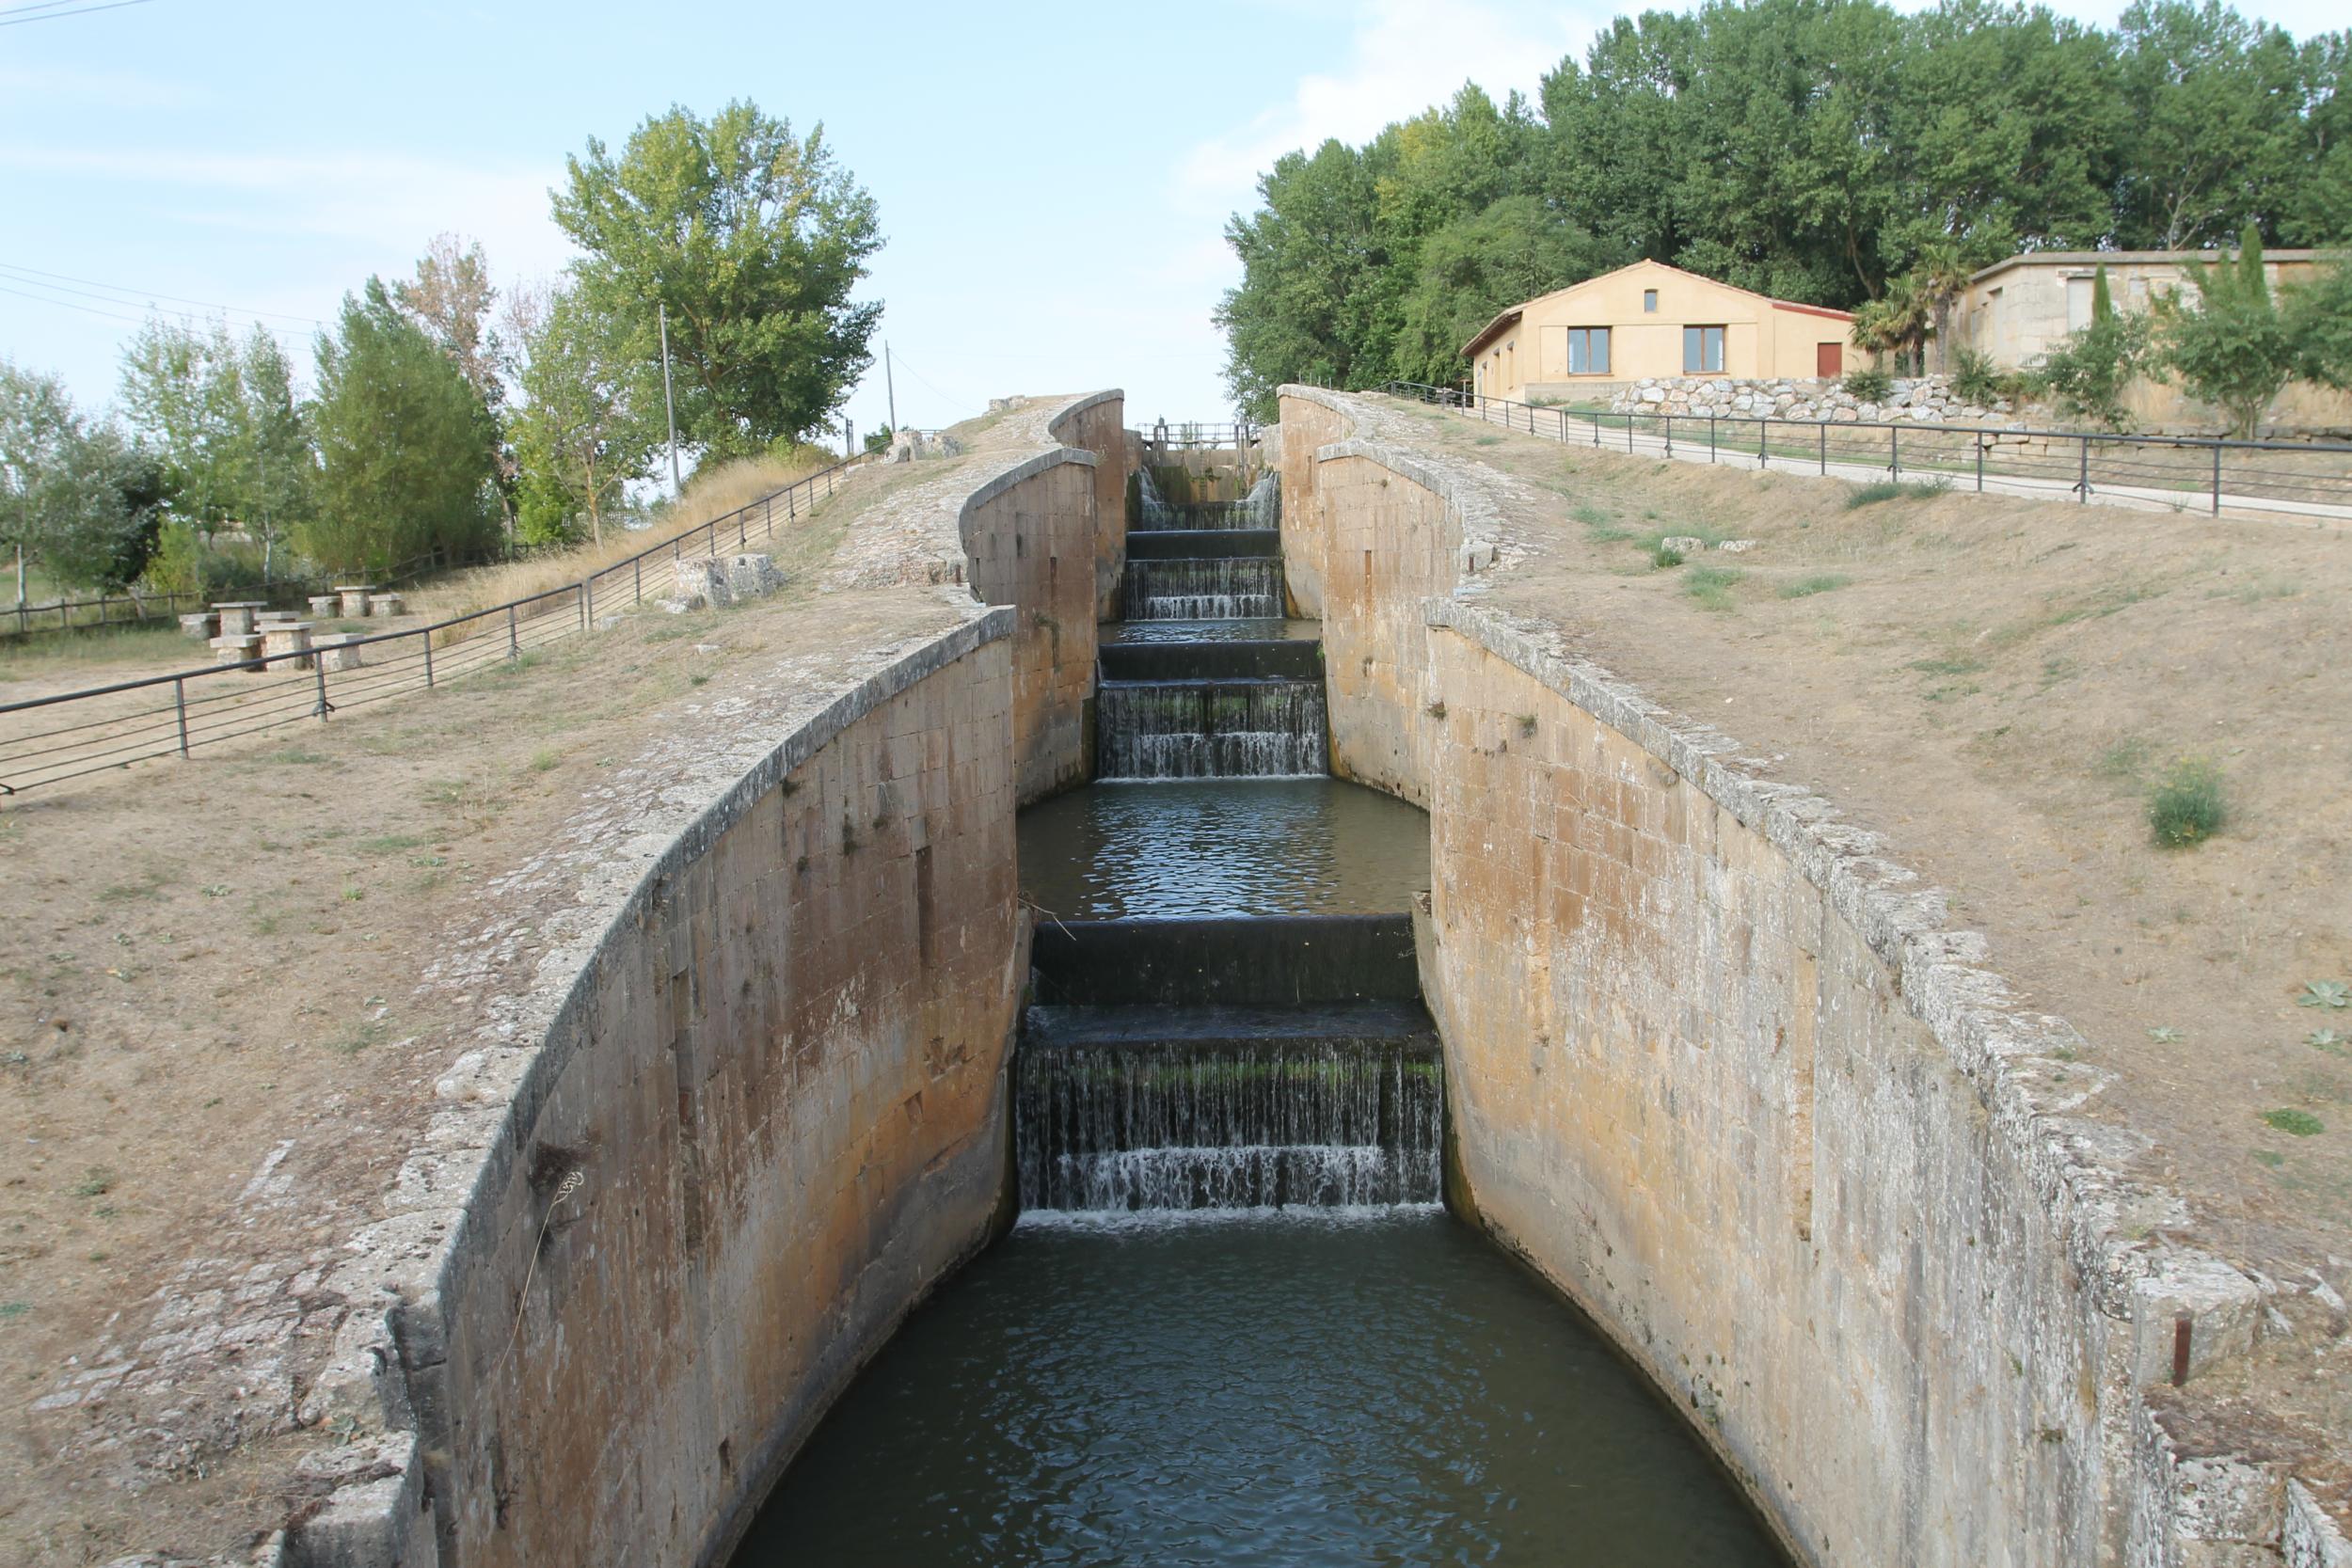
x=756, y=1112
x=1720, y=1071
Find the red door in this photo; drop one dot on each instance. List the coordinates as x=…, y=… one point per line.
x=1829, y=361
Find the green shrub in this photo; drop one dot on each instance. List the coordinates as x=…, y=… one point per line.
x=1977, y=379
x=2185, y=806
x=1887, y=490
x=1870, y=385
x=2302, y=1124
x=1711, y=585
x=1822, y=582
x=1662, y=557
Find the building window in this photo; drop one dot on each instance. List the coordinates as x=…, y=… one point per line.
x=1588, y=351
x=1701, y=350
x=1650, y=301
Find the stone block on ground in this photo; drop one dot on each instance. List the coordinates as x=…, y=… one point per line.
x=752, y=577
x=324, y=605
x=385, y=604
x=237, y=647
x=337, y=650
x=704, y=580
x=202, y=627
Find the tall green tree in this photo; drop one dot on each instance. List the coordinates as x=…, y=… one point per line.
x=2092, y=370
x=2214, y=106
x=403, y=444
x=1476, y=266
x=582, y=430
x=2319, y=323
x=221, y=417
x=69, y=489
x=2234, y=349
x=1310, y=258
x=451, y=299
x=755, y=240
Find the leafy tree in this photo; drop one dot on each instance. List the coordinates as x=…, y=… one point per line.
x=450, y=299
x=753, y=241
x=1307, y=261
x=404, y=443
x=582, y=430
x=68, y=488
x=877, y=439
x=2235, y=350
x=1476, y=266
x=2090, y=372
x=2319, y=323
x=220, y=416
x=2213, y=137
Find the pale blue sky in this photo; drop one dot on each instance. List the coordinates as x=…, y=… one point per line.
x=1053, y=179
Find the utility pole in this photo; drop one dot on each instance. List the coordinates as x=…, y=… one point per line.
x=890, y=387
x=668, y=405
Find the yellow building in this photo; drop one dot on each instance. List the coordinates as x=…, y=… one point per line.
x=1651, y=320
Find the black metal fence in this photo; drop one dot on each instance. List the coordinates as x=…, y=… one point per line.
x=171, y=715
x=1192, y=436
x=2279, y=479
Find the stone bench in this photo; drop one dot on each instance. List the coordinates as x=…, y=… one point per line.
x=326, y=606
x=337, y=650
x=383, y=604
x=236, y=615
x=280, y=638
x=202, y=627
x=237, y=647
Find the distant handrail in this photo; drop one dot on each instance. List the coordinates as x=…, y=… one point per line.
x=2297, y=494
x=1194, y=435
x=117, y=739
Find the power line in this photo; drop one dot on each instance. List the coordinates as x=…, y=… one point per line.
x=138, y=296
x=58, y=15
x=281, y=332
x=953, y=399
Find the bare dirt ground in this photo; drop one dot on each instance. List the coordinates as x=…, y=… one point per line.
x=217, y=1041
x=1993, y=684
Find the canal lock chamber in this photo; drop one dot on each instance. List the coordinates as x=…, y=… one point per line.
x=1234, y=1322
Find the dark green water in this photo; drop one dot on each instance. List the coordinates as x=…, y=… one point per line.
x=1251, y=1388
x=1223, y=847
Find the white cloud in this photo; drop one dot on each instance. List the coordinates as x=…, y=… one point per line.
x=1405, y=56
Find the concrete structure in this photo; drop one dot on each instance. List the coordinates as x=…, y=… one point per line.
x=325, y=607
x=287, y=638
x=1719, y=1072
x=2017, y=310
x=758, y=1108
x=1651, y=320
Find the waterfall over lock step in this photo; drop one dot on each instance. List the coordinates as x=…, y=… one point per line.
x=1239, y=1061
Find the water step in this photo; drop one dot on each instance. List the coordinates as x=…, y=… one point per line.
x=1195, y=588
x=1211, y=729
x=1258, y=658
x=1269, y=630
x=1159, y=1107
x=1193, y=543
x=1282, y=961
x=1158, y=1024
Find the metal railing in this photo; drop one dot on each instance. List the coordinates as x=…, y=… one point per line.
x=171, y=715
x=2282, y=479
x=1192, y=436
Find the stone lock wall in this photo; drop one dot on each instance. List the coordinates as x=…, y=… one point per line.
x=748, y=1146
x=1719, y=1072
x=1030, y=536
x=1098, y=424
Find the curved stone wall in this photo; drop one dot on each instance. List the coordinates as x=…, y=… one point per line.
x=1721, y=1074
x=758, y=1111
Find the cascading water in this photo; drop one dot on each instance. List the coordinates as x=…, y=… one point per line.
x=1210, y=729
x=1212, y=588
x=1154, y=512
x=1230, y=1125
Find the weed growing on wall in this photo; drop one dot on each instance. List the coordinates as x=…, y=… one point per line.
x=2185, y=806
